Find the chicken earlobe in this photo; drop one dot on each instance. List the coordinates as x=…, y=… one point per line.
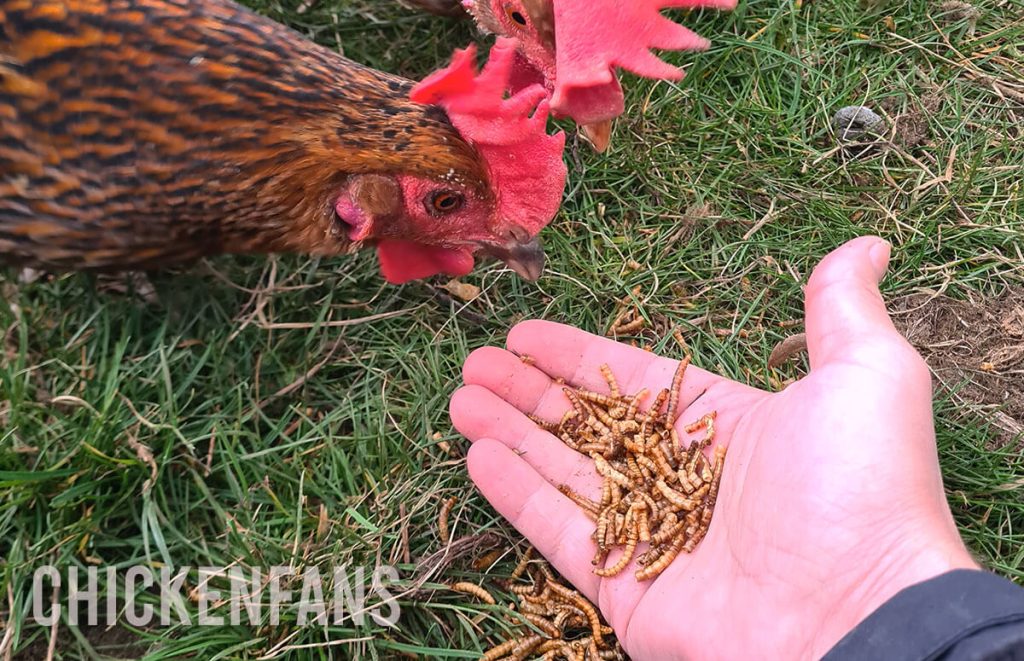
x=379, y=196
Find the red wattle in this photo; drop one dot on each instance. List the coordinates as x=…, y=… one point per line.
x=404, y=261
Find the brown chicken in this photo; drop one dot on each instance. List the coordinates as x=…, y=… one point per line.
x=139, y=133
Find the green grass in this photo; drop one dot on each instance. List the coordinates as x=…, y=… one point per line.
x=242, y=475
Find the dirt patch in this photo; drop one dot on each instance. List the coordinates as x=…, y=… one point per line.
x=975, y=348
x=912, y=127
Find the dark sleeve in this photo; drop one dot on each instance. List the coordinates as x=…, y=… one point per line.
x=964, y=615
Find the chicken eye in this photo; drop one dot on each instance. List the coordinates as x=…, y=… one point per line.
x=515, y=15
x=445, y=202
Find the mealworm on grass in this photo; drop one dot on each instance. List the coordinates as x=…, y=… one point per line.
x=442, y=519
x=473, y=589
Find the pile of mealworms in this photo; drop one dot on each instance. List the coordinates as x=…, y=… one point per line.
x=654, y=491
x=555, y=620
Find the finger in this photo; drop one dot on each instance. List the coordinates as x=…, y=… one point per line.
x=844, y=309
x=576, y=356
x=525, y=387
x=554, y=524
x=478, y=413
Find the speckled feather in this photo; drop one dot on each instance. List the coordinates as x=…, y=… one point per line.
x=136, y=133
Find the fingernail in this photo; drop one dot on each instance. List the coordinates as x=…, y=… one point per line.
x=879, y=256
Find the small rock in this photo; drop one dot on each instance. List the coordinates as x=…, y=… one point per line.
x=854, y=123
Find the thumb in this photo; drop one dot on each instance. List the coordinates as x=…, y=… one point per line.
x=845, y=314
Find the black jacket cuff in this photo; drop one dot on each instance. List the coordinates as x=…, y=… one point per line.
x=959, y=616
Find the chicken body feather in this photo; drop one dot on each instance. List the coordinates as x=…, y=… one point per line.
x=137, y=133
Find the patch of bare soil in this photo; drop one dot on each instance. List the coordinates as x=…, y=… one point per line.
x=976, y=348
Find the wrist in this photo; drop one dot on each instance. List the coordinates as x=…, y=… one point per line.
x=898, y=568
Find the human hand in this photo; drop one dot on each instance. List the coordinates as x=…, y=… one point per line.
x=831, y=500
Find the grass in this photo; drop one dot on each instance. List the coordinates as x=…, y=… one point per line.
x=360, y=452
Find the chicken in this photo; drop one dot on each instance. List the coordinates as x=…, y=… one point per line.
x=140, y=133
x=573, y=47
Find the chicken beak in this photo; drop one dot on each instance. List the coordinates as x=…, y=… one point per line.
x=526, y=258
x=599, y=135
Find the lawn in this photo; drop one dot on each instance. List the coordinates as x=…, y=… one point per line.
x=295, y=410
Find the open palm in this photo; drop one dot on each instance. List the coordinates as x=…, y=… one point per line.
x=831, y=499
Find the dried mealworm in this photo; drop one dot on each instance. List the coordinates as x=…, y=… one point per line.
x=579, y=601
x=678, y=456
x=442, y=519
x=587, y=448
x=550, y=646
x=523, y=563
x=659, y=402
x=606, y=470
x=527, y=359
x=662, y=562
x=669, y=530
x=673, y=398
x=578, y=404
x=607, y=401
x=601, y=533
x=643, y=526
x=594, y=422
x=609, y=377
x=475, y=590
x=566, y=417
x=678, y=500
x=634, y=403
x=624, y=559
x=522, y=589
x=663, y=467
x=588, y=505
x=501, y=650
x=617, y=530
x=630, y=327
x=486, y=560
x=568, y=440
x=701, y=423
x=544, y=625
x=525, y=646
x=647, y=466
x=633, y=469
x=547, y=426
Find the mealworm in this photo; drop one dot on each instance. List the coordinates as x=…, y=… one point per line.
x=475, y=590
x=607, y=401
x=579, y=601
x=634, y=403
x=624, y=559
x=677, y=384
x=606, y=470
x=546, y=626
x=547, y=426
x=501, y=650
x=442, y=519
x=525, y=646
x=662, y=562
x=609, y=377
x=678, y=500
x=523, y=563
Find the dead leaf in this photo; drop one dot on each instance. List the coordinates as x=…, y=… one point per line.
x=789, y=348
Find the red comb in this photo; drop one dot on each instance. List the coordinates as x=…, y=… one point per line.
x=595, y=36
x=524, y=161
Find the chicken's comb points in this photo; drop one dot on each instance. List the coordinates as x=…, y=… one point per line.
x=597, y=35
x=509, y=131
